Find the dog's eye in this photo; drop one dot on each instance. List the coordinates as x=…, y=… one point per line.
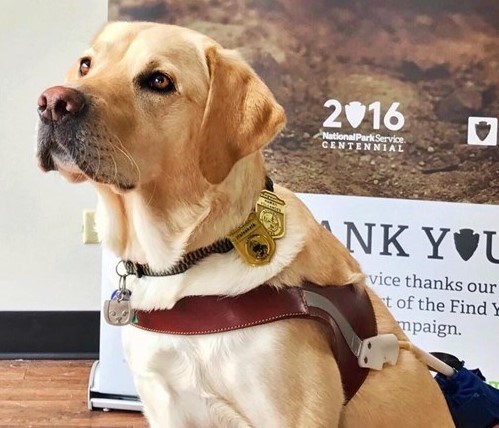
x=84, y=66
x=160, y=82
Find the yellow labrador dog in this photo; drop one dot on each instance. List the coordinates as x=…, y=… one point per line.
x=168, y=126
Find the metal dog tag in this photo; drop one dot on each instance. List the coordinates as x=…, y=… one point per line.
x=270, y=210
x=118, y=311
x=253, y=242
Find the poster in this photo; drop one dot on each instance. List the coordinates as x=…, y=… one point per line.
x=378, y=95
x=435, y=265
x=392, y=140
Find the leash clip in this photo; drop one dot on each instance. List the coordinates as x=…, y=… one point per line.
x=123, y=291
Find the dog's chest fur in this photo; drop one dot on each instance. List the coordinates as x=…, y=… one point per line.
x=212, y=380
x=208, y=381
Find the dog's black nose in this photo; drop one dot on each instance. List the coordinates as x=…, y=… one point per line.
x=58, y=102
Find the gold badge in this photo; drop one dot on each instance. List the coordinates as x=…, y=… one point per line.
x=253, y=242
x=270, y=210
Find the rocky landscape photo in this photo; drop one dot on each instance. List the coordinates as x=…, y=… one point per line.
x=405, y=75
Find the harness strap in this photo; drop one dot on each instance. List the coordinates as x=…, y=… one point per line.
x=352, y=318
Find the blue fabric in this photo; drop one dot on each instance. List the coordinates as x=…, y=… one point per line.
x=472, y=402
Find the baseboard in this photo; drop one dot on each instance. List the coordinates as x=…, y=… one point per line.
x=49, y=335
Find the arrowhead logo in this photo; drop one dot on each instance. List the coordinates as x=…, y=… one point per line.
x=466, y=242
x=355, y=112
x=482, y=129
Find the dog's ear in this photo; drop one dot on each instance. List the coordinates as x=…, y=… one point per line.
x=241, y=114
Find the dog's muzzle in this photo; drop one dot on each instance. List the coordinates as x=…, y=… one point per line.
x=59, y=109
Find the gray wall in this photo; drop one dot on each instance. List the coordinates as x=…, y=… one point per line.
x=43, y=263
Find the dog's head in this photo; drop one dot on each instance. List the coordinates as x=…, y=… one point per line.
x=149, y=102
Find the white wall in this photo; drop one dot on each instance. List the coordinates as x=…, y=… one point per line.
x=43, y=263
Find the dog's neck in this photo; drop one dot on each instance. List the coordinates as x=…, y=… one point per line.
x=148, y=227
x=142, y=226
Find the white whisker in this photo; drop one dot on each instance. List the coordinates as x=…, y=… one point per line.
x=127, y=155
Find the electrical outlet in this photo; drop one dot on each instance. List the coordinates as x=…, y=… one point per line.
x=90, y=235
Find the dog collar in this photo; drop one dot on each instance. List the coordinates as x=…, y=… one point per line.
x=346, y=310
x=219, y=247
x=190, y=259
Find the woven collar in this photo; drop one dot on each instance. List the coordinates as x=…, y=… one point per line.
x=190, y=259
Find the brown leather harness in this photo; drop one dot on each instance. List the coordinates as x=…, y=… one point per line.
x=197, y=315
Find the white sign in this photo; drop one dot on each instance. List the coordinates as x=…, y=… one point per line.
x=435, y=264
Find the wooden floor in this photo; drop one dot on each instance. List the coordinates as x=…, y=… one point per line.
x=53, y=393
